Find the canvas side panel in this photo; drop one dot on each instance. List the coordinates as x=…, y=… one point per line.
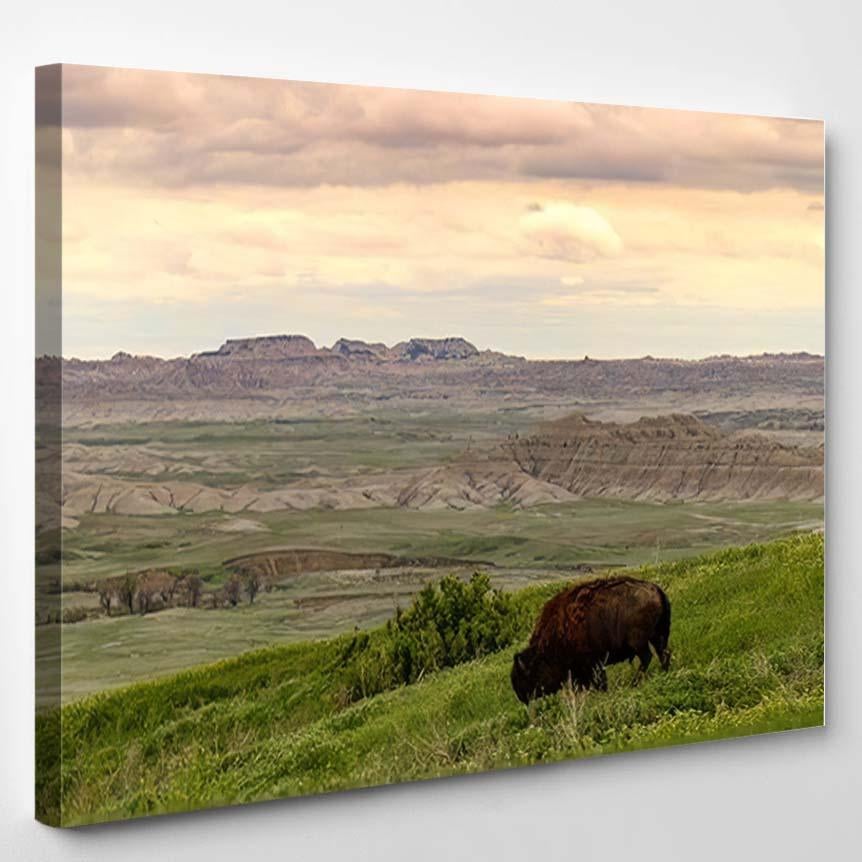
x=48, y=539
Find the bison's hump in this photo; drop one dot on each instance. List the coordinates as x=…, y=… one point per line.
x=590, y=616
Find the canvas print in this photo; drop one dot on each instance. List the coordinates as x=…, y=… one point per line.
x=387, y=435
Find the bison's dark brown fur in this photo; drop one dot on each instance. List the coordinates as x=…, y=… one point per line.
x=591, y=625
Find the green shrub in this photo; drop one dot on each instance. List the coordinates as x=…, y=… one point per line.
x=449, y=623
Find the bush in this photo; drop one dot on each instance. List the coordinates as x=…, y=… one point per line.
x=75, y=614
x=449, y=623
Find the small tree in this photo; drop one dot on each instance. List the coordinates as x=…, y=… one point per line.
x=128, y=588
x=253, y=584
x=233, y=590
x=105, y=598
x=155, y=590
x=194, y=587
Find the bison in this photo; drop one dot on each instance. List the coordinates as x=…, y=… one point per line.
x=589, y=626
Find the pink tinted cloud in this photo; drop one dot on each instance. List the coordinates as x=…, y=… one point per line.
x=177, y=129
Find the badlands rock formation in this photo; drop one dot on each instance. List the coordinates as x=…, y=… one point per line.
x=661, y=459
x=667, y=458
x=288, y=375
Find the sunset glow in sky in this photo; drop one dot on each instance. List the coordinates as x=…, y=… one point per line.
x=198, y=208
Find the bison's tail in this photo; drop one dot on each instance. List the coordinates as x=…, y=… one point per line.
x=662, y=632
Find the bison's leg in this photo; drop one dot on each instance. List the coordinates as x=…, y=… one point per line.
x=662, y=635
x=644, y=658
x=659, y=642
x=664, y=658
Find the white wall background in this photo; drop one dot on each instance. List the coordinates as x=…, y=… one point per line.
x=790, y=796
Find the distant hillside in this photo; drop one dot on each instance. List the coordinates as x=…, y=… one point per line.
x=284, y=375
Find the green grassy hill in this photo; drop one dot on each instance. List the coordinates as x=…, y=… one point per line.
x=747, y=640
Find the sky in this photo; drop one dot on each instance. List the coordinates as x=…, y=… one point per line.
x=198, y=208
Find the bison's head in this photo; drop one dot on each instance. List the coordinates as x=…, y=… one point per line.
x=524, y=675
x=535, y=675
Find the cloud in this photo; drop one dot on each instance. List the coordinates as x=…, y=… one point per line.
x=621, y=296
x=565, y=231
x=505, y=245
x=179, y=130
x=687, y=148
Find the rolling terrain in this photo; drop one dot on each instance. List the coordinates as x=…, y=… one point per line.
x=428, y=450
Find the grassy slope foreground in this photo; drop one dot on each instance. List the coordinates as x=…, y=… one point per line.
x=747, y=640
